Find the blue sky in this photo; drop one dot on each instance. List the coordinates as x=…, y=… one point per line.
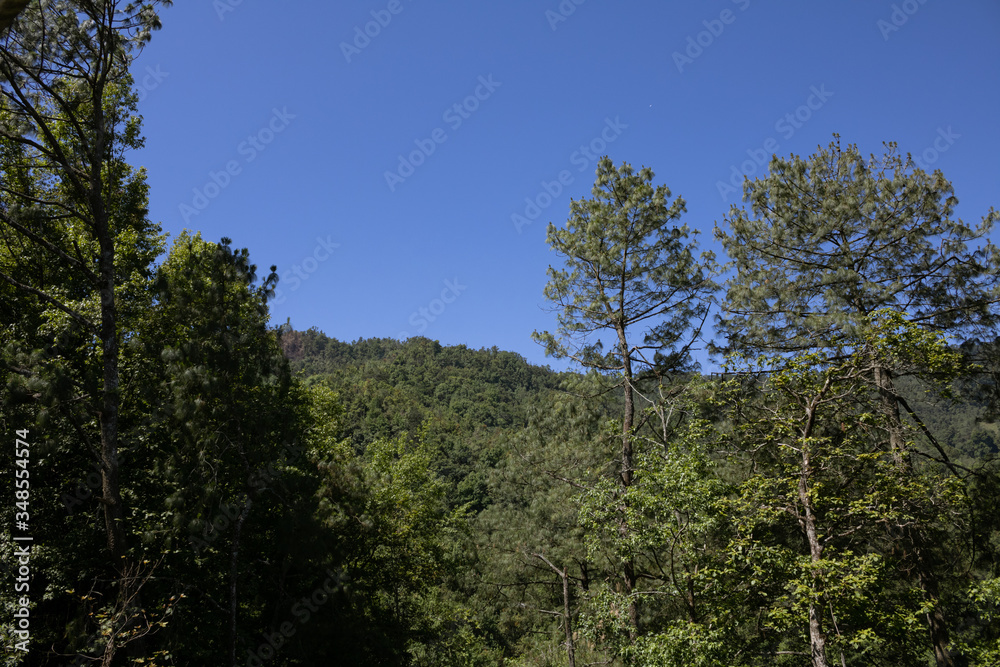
x=342, y=157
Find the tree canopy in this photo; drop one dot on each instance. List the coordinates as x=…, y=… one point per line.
x=208, y=488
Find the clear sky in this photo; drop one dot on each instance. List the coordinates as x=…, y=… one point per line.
x=380, y=171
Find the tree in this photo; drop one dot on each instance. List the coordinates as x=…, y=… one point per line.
x=815, y=517
x=630, y=274
x=832, y=239
x=220, y=395
x=536, y=566
x=674, y=536
x=66, y=121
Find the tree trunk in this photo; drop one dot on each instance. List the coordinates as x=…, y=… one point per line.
x=938, y=627
x=570, y=648
x=936, y=623
x=112, y=499
x=567, y=615
x=129, y=574
x=890, y=408
x=817, y=637
x=628, y=418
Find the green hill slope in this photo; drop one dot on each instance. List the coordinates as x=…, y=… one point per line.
x=461, y=400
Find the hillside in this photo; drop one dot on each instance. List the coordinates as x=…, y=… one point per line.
x=390, y=387
x=462, y=401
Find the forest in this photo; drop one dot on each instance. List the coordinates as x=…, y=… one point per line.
x=187, y=483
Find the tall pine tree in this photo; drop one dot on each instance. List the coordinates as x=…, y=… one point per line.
x=830, y=240
x=631, y=275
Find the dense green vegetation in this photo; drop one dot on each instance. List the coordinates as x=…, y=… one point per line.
x=208, y=489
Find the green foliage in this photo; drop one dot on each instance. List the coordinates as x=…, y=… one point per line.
x=983, y=646
x=830, y=239
x=397, y=540
x=531, y=529
x=415, y=504
x=460, y=399
x=681, y=644
x=672, y=534
x=818, y=524
x=857, y=266
x=627, y=265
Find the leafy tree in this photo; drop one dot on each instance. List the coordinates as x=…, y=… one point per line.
x=66, y=121
x=832, y=239
x=398, y=545
x=227, y=417
x=630, y=274
x=818, y=519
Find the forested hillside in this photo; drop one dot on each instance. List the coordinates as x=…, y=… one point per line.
x=191, y=485
x=389, y=388
x=461, y=402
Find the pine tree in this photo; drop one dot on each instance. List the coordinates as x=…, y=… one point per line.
x=630, y=274
x=830, y=240
x=71, y=203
